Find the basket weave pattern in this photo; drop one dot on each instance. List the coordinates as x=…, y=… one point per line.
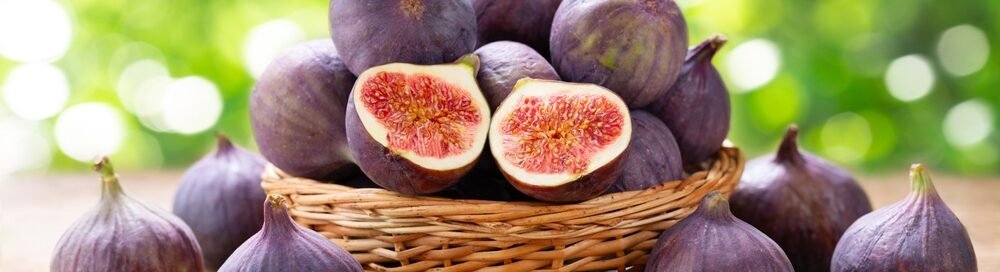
x=388, y=231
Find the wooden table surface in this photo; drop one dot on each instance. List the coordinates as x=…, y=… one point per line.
x=35, y=210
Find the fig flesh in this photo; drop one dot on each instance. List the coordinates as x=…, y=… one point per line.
x=560, y=142
x=229, y=182
x=417, y=129
x=696, y=108
x=918, y=233
x=653, y=156
x=297, y=112
x=503, y=63
x=372, y=33
x=801, y=201
x=632, y=47
x=524, y=21
x=712, y=239
x=122, y=234
x=283, y=245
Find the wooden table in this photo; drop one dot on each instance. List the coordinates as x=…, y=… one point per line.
x=35, y=210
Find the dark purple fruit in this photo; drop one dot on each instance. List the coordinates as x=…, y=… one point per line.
x=283, y=245
x=801, y=201
x=503, y=63
x=524, y=21
x=633, y=47
x=228, y=181
x=372, y=33
x=711, y=239
x=653, y=157
x=297, y=112
x=918, y=233
x=696, y=108
x=483, y=182
x=122, y=234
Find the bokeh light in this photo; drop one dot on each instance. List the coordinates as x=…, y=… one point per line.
x=752, y=64
x=191, y=105
x=25, y=145
x=846, y=137
x=132, y=80
x=34, y=30
x=36, y=91
x=87, y=130
x=963, y=50
x=909, y=78
x=266, y=41
x=968, y=123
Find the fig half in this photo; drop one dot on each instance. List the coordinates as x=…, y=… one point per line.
x=918, y=233
x=417, y=129
x=559, y=141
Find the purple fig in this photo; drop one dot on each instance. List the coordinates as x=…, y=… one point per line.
x=712, y=239
x=524, y=21
x=801, y=201
x=229, y=182
x=696, y=108
x=918, y=233
x=503, y=63
x=283, y=245
x=653, y=156
x=122, y=234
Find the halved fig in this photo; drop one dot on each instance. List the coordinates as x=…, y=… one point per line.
x=417, y=129
x=559, y=141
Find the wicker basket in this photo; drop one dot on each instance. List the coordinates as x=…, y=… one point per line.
x=387, y=231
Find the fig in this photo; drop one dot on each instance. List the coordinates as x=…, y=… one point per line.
x=524, y=21
x=801, y=201
x=560, y=142
x=918, y=233
x=633, y=47
x=297, y=112
x=417, y=129
x=122, y=234
x=229, y=182
x=503, y=63
x=653, y=156
x=696, y=108
x=283, y=245
x=712, y=239
x=372, y=33
x=483, y=182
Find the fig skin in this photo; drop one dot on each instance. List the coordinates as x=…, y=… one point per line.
x=583, y=188
x=297, y=112
x=653, y=157
x=229, y=182
x=712, y=239
x=525, y=21
x=503, y=63
x=283, y=245
x=122, y=234
x=372, y=33
x=632, y=47
x=918, y=233
x=697, y=107
x=483, y=182
x=801, y=201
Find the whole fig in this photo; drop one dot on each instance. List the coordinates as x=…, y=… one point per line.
x=918, y=233
x=524, y=21
x=801, y=201
x=711, y=239
x=122, y=234
x=283, y=245
x=228, y=181
x=696, y=108
x=653, y=156
x=503, y=63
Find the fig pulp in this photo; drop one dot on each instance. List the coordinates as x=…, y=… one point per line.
x=918, y=233
x=711, y=239
x=633, y=47
x=696, y=108
x=524, y=21
x=228, y=181
x=283, y=245
x=653, y=157
x=558, y=141
x=801, y=201
x=503, y=63
x=417, y=129
x=297, y=112
x=372, y=33
x=122, y=234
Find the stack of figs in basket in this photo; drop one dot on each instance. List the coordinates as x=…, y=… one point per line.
x=510, y=100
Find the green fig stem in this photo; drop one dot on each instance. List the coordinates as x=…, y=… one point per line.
x=276, y=201
x=470, y=60
x=109, y=179
x=788, y=151
x=706, y=50
x=920, y=181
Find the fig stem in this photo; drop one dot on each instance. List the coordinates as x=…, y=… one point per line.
x=789, y=149
x=920, y=181
x=276, y=200
x=109, y=179
x=223, y=142
x=706, y=50
x=715, y=204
